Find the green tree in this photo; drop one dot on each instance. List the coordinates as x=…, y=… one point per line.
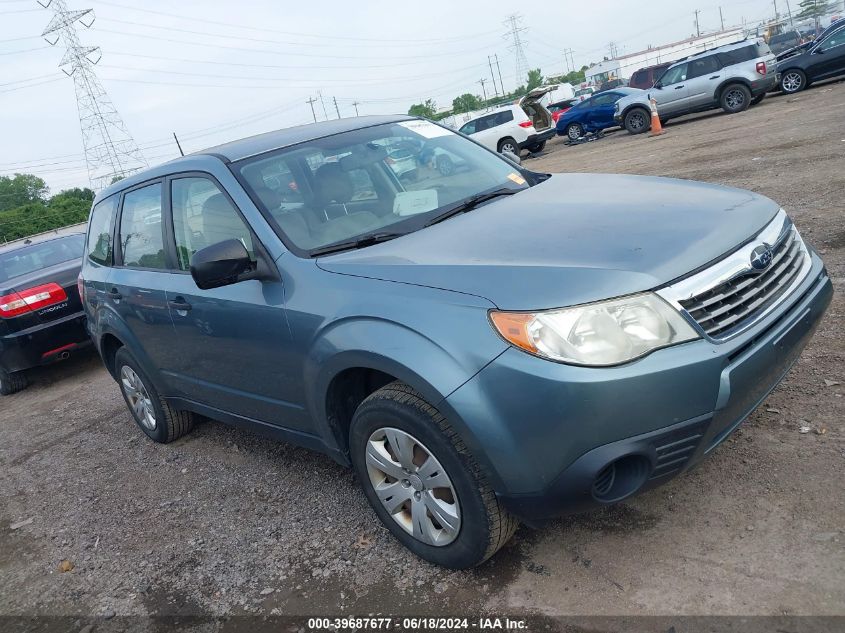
x=65, y=208
x=21, y=189
x=535, y=79
x=813, y=9
x=465, y=103
x=426, y=110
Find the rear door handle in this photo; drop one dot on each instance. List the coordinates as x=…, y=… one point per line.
x=179, y=305
x=114, y=294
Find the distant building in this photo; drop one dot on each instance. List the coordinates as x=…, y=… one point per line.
x=624, y=66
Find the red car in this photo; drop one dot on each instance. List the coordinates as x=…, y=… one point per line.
x=560, y=107
x=645, y=78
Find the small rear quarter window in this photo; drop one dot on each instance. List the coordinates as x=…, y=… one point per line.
x=99, y=247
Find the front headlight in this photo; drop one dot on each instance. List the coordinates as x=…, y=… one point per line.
x=596, y=334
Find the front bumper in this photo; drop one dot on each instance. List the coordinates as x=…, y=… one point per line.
x=43, y=343
x=547, y=432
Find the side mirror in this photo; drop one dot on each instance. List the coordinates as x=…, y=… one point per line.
x=658, y=85
x=819, y=51
x=220, y=264
x=512, y=157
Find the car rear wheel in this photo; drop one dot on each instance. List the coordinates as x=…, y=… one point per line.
x=12, y=382
x=157, y=419
x=735, y=98
x=445, y=165
x=508, y=145
x=575, y=131
x=422, y=481
x=793, y=81
x=637, y=121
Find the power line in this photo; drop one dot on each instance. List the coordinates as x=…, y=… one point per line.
x=110, y=150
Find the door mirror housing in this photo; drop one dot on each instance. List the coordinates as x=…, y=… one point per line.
x=658, y=85
x=512, y=157
x=220, y=264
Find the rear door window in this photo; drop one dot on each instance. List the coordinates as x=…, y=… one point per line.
x=703, y=66
x=100, y=230
x=141, y=229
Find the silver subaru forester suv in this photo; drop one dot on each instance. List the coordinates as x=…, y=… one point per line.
x=733, y=77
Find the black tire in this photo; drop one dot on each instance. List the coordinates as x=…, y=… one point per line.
x=170, y=424
x=574, y=131
x=12, y=382
x=508, y=144
x=637, y=120
x=485, y=526
x=735, y=98
x=758, y=99
x=792, y=81
x=445, y=165
x=537, y=147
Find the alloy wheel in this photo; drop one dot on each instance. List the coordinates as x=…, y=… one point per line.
x=509, y=147
x=575, y=132
x=792, y=82
x=636, y=120
x=138, y=397
x=735, y=99
x=413, y=486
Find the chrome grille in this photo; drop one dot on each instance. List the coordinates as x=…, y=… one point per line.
x=722, y=308
x=731, y=295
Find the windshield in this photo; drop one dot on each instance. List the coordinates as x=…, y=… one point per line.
x=393, y=178
x=29, y=259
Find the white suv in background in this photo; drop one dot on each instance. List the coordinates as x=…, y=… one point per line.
x=510, y=129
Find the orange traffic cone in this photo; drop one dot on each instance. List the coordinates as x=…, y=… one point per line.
x=656, y=128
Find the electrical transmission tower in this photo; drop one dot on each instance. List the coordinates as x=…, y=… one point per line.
x=110, y=151
x=514, y=35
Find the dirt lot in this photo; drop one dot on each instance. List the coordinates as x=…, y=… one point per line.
x=226, y=522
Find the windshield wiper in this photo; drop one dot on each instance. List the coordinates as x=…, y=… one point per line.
x=470, y=203
x=359, y=242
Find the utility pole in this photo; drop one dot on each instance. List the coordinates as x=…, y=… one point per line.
x=335, y=107
x=721, y=18
x=355, y=105
x=697, y=27
x=110, y=150
x=310, y=101
x=323, y=103
x=499, y=68
x=789, y=13
x=775, y=4
x=514, y=35
x=490, y=63
x=483, y=81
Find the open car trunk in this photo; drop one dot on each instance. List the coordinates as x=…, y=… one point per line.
x=536, y=111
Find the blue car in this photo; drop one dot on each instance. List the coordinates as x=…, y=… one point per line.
x=593, y=114
x=482, y=346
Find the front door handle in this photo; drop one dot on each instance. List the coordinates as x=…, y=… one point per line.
x=715, y=76
x=114, y=294
x=679, y=87
x=180, y=305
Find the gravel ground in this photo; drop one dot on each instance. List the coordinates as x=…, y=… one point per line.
x=227, y=522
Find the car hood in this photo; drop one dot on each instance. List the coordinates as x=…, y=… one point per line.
x=572, y=239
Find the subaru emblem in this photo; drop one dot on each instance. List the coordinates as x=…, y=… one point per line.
x=761, y=257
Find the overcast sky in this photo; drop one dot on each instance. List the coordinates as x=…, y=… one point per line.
x=225, y=70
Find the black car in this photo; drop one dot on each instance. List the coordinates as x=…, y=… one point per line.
x=41, y=318
x=823, y=58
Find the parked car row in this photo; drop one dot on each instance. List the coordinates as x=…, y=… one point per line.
x=731, y=77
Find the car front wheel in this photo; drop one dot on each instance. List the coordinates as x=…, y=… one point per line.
x=637, y=121
x=508, y=145
x=156, y=418
x=423, y=483
x=793, y=81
